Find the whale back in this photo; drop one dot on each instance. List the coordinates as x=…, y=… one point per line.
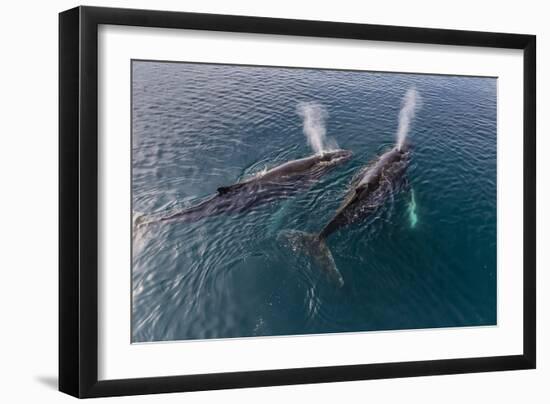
x=370, y=190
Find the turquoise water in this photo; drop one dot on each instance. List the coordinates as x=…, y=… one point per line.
x=426, y=259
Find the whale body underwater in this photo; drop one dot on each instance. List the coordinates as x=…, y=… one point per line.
x=276, y=183
x=369, y=190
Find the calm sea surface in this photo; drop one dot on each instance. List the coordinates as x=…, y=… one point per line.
x=197, y=127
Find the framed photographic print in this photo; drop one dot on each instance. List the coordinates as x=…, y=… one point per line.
x=251, y=201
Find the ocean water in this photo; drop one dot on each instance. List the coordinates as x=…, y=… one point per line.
x=427, y=259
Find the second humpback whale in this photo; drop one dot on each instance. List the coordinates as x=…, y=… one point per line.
x=368, y=191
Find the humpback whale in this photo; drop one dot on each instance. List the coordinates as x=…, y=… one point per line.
x=369, y=189
x=278, y=182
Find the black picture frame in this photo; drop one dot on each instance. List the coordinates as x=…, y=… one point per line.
x=78, y=201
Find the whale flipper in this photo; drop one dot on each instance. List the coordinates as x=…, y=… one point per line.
x=413, y=217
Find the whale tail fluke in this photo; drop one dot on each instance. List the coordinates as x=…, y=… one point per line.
x=317, y=249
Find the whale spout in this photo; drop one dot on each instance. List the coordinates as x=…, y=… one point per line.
x=410, y=104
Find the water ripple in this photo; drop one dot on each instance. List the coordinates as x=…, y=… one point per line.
x=199, y=127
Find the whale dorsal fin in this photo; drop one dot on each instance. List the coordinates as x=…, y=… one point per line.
x=225, y=190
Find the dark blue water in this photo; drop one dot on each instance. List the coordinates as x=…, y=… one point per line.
x=197, y=127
